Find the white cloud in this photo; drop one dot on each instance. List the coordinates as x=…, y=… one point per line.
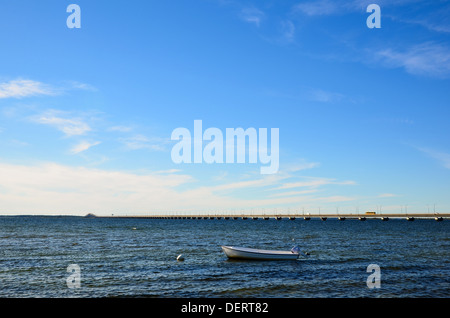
x=429, y=59
x=334, y=7
x=432, y=15
x=20, y=88
x=425, y=59
x=82, y=86
x=252, y=15
x=288, y=30
x=59, y=189
x=442, y=157
x=335, y=198
x=120, y=128
x=169, y=171
x=266, y=180
x=387, y=195
x=137, y=142
x=319, y=95
x=313, y=183
x=69, y=126
x=303, y=165
x=293, y=193
x=83, y=146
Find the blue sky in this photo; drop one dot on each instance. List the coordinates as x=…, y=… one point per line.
x=86, y=114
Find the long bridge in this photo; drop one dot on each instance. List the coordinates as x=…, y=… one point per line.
x=290, y=216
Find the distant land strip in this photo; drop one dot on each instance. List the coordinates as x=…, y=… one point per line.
x=342, y=217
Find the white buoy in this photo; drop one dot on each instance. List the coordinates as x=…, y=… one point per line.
x=180, y=258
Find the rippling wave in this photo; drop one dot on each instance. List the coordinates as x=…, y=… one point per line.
x=137, y=258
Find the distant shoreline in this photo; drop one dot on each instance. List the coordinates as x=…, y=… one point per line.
x=323, y=217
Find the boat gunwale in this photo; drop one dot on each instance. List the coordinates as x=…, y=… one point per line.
x=259, y=251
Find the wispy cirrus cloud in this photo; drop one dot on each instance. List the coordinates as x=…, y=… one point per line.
x=120, y=128
x=139, y=141
x=21, y=88
x=313, y=182
x=80, y=86
x=429, y=59
x=387, y=195
x=416, y=57
x=302, y=165
x=83, y=146
x=288, y=30
x=432, y=15
x=252, y=15
x=333, y=7
x=70, y=126
x=442, y=157
x=323, y=96
x=293, y=193
x=54, y=188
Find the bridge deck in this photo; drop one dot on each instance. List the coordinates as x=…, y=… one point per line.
x=384, y=216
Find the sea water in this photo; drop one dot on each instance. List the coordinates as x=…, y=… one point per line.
x=137, y=257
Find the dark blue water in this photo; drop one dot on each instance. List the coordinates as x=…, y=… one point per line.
x=137, y=258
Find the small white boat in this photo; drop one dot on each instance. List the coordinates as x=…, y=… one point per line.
x=257, y=254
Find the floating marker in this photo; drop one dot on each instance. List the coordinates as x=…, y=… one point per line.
x=180, y=258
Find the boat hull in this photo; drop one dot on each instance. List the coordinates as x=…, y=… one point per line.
x=257, y=254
